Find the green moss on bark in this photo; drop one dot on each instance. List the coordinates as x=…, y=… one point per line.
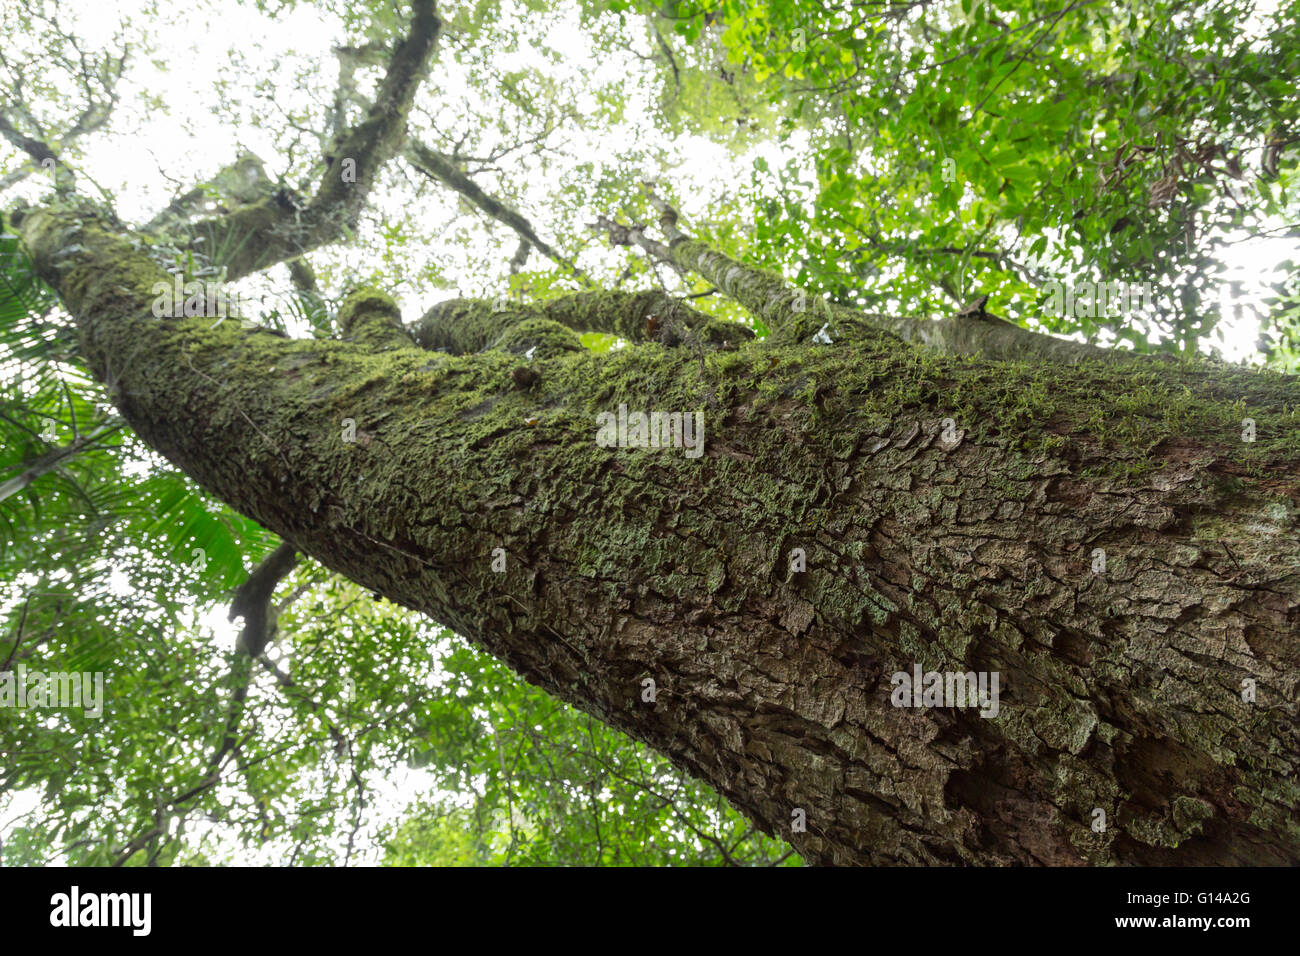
x=963, y=554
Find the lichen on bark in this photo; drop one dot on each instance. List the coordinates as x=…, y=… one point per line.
x=948, y=509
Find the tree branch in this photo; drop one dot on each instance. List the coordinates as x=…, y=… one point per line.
x=55, y=458
x=372, y=319
x=461, y=326
x=787, y=311
x=42, y=156
x=253, y=599
x=442, y=168
x=282, y=226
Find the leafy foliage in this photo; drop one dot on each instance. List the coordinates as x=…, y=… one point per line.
x=949, y=150
x=895, y=157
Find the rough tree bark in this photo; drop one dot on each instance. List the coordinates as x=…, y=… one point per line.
x=875, y=493
x=1121, y=690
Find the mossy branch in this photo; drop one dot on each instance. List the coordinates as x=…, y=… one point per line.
x=282, y=226
x=371, y=318
x=461, y=326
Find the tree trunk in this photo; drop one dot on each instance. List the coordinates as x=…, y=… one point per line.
x=860, y=508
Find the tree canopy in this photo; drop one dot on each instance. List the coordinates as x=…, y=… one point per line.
x=1075, y=169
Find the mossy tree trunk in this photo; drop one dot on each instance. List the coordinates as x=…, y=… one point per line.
x=861, y=506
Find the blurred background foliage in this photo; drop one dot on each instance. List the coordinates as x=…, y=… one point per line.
x=901, y=157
